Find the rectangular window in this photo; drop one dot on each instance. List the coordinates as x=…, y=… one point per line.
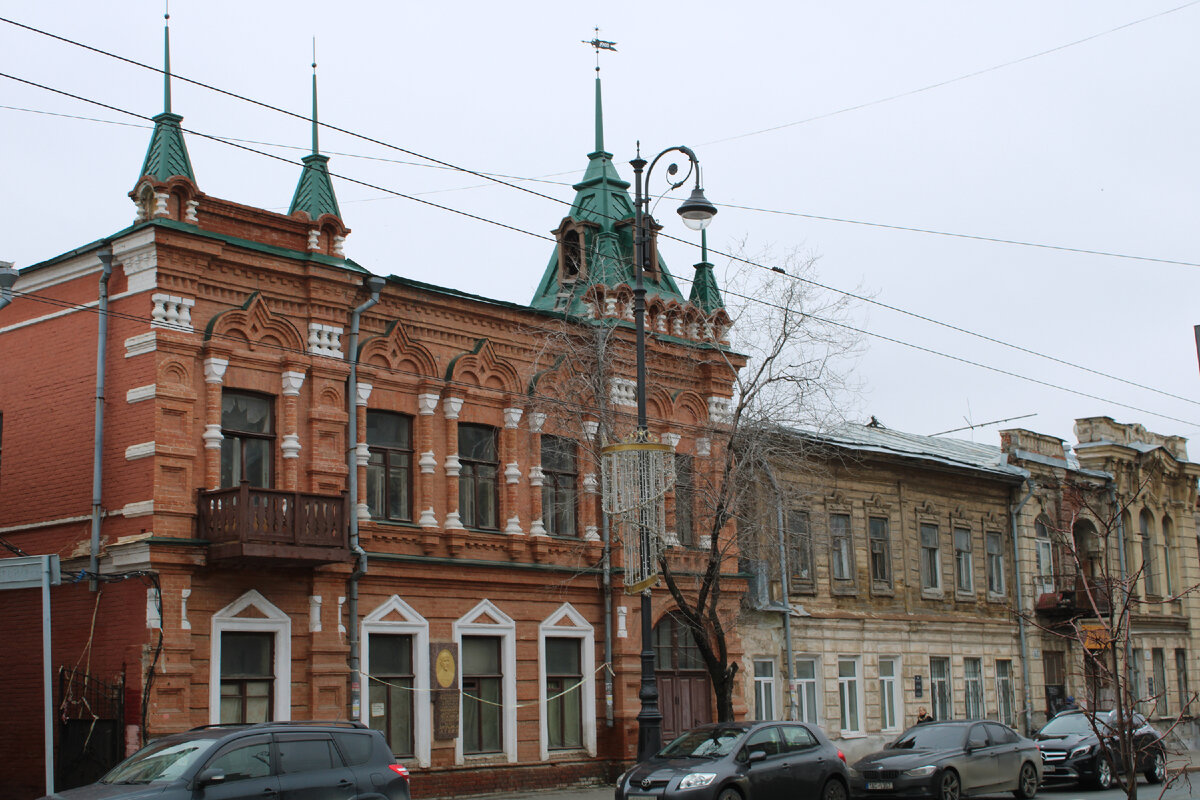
x=963, y=563
x=800, y=547
x=889, y=693
x=685, y=497
x=1137, y=684
x=1054, y=670
x=973, y=687
x=247, y=676
x=940, y=696
x=559, y=492
x=479, y=469
x=1044, y=555
x=1148, y=576
x=842, y=547
x=564, y=694
x=995, y=563
x=390, y=665
x=881, y=552
x=1004, y=692
x=248, y=439
x=764, y=690
x=848, y=691
x=804, y=687
x=482, y=696
x=389, y=468
x=1158, y=691
x=1181, y=683
x=931, y=560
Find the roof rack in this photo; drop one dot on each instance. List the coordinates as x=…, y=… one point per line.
x=341, y=723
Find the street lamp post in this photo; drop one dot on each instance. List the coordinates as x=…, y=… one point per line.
x=697, y=212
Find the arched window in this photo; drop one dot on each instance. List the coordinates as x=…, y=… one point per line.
x=1146, y=529
x=1043, y=557
x=1168, y=563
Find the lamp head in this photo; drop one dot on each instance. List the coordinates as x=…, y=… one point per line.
x=696, y=211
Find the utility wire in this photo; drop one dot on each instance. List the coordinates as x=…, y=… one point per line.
x=860, y=298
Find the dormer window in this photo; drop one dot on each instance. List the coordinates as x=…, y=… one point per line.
x=572, y=251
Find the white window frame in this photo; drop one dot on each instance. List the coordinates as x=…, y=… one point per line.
x=891, y=691
x=273, y=621
x=979, y=684
x=382, y=621
x=948, y=712
x=567, y=623
x=798, y=685
x=486, y=619
x=846, y=685
x=764, y=690
x=1005, y=696
x=1043, y=558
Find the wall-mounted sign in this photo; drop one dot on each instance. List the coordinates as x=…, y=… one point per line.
x=918, y=691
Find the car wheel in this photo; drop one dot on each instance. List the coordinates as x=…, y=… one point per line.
x=1027, y=782
x=1158, y=770
x=834, y=790
x=729, y=794
x=949, y=788
x=1104, y=772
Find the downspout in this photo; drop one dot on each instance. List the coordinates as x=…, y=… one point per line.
x=783, y=590
x=374, y=285
x=1126, y=623
x=606, y=538
x=1026, y=691
x=106, y=258
x=8, y=277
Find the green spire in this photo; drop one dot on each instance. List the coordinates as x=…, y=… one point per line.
x=705, y=296
x=602, y=206
x=167, y=155
x=314, y=193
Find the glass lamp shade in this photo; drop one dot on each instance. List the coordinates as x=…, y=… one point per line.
x=696, y=211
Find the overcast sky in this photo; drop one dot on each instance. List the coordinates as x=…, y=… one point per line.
x=1070, y=124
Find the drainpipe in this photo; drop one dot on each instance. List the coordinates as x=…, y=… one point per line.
x=374, y=285
x=1126, y=624
x=8, y=277
x=606, y=538
x=783, y=590
x=1012, y=515
x=106, y=258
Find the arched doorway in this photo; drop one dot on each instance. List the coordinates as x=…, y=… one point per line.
x=684, y=690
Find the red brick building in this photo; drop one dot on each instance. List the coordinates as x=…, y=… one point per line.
x=246, y=569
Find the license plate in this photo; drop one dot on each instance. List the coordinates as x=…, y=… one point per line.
x=879, y=785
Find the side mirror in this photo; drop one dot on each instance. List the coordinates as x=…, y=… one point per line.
x=975, y=744
x=210, y=777
x=757, y=755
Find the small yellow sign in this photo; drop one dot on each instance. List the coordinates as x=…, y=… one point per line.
x=445, y=669
x=1095, y=636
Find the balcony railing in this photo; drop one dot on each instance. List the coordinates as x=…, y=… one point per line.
x=249, y=525
x=1068, y=595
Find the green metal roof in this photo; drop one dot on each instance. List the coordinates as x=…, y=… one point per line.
x=603, y=204
x=706, y=295
x=167, y=155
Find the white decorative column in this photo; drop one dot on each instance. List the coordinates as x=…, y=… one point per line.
x=537, y=420
x=362, y=451
x=214, y=376
x=512, y=469
x=451, y=407
x=427, y=461
x=292, y=380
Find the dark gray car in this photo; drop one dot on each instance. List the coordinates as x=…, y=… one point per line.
x=949, y=760
x=739, y=760
x=300, y=760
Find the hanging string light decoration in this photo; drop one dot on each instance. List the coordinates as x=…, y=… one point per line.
x=636, y=477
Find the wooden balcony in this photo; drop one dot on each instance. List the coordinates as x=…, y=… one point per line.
x=247, y=526
x=1071, y=596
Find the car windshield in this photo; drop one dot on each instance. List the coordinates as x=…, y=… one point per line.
x=704, y=743
x=930, y=737
x=164, y=760
x=1066, y=725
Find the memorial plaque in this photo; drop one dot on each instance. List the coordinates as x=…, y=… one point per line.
x=443, y=663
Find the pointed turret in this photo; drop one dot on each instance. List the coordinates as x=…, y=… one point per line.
x=167, y=156
x=706, y=295
x=314, y=193
x=595, y=240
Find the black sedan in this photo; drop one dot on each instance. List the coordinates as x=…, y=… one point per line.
x=1072, y=751
x=949, y=760
x=741, y=761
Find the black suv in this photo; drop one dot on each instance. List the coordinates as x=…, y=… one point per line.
x=293, y=760
x=1071, y=750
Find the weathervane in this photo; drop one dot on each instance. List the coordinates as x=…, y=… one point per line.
x=600, y=44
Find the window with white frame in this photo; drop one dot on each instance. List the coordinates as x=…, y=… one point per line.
x=931, y=559
x=973, y=688
x=964, y=564
x=1044, y=557
x=849, y=695
x=889, y=694
x=247, y=676
x=804, y=689
x=995, y=562
x=253, y=681
x=940, y=695
x=1004, y=692
x=764, y=689
x=396, y=676
x=566, y=643
x=486, y=639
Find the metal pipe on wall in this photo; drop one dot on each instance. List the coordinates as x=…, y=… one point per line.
x=1026, y=691
x=106, y=257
